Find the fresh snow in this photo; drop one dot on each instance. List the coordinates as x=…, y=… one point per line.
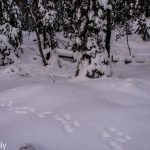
x=46, y=108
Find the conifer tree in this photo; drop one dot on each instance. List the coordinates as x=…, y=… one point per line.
x=142, y=12
x=89, y=45
x=129, y=13
x=10, y=33
x=43, y=14
x=68, y=22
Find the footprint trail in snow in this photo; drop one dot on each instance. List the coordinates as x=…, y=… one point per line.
x=23, y=110
x=67, y=122
x=69, y=125
x=115, y=139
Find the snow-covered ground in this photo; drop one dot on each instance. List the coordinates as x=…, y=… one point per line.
x=45, y=107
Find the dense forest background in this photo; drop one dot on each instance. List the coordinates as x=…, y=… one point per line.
x=87, y=24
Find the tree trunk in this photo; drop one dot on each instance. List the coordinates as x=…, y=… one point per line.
x=40, y=48
x=128, y=44
x=38, y=38
x=44, y=39
x=52, y=39
x=108, y=32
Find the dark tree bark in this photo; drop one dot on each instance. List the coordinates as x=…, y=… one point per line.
x=40, y=48
x=108, y=32
x=128, y=44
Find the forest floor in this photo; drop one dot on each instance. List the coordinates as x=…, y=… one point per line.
x=49, y=109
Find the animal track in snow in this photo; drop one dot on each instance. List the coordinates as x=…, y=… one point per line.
x=20, y=112
x=65, y=120
x=114, y=145
x=30, y=109
x=76, y=123
x=23, y=110
x=8, y=104
x=44, y=114
x=10, y=107
x=114, y=138
x=68, y=118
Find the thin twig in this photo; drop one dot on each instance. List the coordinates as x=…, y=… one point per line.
x=53, y=78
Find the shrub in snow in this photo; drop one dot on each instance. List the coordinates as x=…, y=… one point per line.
x=143, y=28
